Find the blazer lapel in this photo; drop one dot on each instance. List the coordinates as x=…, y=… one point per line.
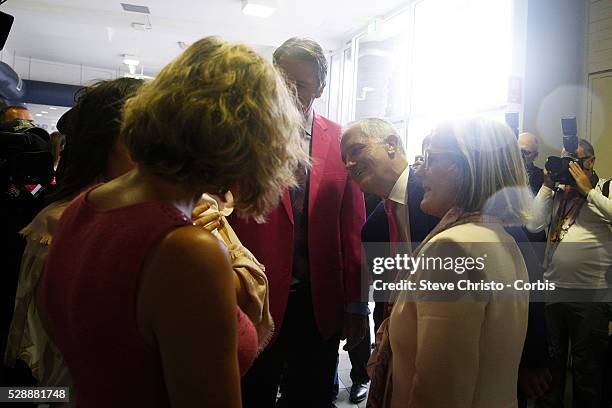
x=320, y=149
x=286, y=199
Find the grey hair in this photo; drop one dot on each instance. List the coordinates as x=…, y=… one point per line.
x=306, y=50
x=587, y=147
x=533, y=138
x=374, y=128
x=493, y=179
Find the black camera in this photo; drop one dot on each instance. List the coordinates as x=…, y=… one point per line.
x=558, y=167
x=26, y=171
x=24, y=155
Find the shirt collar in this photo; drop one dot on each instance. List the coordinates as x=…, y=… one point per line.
x=308, y=123
x=398, y=192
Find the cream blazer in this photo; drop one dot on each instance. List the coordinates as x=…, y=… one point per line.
x=460, y=354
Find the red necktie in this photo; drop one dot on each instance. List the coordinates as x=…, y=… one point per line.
x=393, y=237
x=393, y=232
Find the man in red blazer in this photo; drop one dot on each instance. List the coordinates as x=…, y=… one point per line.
x=310, y=246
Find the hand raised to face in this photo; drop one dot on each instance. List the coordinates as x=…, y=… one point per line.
x=582, y=180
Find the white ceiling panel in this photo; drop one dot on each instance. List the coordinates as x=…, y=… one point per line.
x=97, y=32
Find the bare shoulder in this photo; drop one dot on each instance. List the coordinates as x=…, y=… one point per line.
x=187, y=290
x=190, y=253
x=191, y=239
x=189, y=269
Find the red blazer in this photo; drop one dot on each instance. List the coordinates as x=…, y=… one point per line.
x=336, y=213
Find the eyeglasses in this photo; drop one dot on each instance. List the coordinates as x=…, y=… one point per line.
x=526, y=153
x=431, y=158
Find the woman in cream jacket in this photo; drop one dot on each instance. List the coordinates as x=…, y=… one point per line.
x=461, y=348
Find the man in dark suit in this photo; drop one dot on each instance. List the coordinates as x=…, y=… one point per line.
x=534, y=373
x=529, y=145
x=312, y=253
x=375, y=158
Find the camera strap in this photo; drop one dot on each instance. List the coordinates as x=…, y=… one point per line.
x=564, y=220
x=605, y=189
x=566, y=217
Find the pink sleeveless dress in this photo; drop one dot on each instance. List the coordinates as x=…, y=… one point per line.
x=90, y=284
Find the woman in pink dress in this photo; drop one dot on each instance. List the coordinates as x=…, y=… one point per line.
x=141, y=302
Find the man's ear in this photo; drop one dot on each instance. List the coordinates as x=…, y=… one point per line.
x=592, y=163
x=320, y=91
x=392, y=142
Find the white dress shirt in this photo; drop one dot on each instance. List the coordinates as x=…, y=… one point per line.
x=399, y=194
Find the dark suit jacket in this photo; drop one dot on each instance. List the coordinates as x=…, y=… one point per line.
x=376, y=227
x=536, y=178
x=535, y=350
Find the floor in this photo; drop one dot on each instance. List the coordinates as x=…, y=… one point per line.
x=344, y=370
x=344, y=373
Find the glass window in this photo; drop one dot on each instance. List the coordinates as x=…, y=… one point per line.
x=382, y=70
x=347, y=86
x=462, y=56
x=335, y=78
x=436, y=60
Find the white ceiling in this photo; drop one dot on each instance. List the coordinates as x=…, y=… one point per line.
x=46, y=116
x=96, y=32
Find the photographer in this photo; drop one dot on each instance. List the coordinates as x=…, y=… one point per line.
x=578, y=215
x=528, y=143
x=25, y=171
x=15, y=112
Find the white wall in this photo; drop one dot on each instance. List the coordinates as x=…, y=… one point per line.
x=555, y=73
x=57, y=72
x=599, y=66
x=600, y=36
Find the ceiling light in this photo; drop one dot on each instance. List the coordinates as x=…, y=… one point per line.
x=130, y=60
x=38, y=114
x=44, y=112
x=137, y=76
x=259, y=8
x=52, y=108
x=140, y=26
x=135, y=8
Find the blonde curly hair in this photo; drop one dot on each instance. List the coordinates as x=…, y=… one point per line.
x=218, y=116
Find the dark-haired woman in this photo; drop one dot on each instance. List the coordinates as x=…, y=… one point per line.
x=93, y=154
